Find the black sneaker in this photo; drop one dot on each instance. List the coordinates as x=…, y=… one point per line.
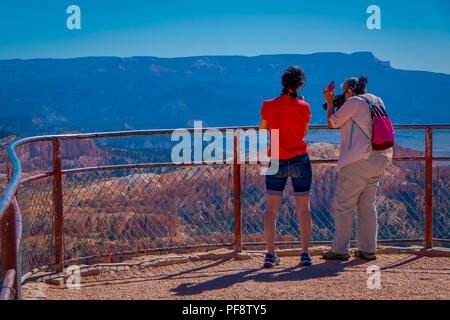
x=271, y=261
x=334, y=256
x=305, y=259
x=365, y=255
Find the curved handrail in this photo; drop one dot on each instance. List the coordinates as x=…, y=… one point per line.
x=7, y=286
x=8, y=193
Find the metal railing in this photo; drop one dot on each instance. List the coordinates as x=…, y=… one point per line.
x=229, y=194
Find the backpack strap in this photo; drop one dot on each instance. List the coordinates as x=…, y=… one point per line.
x=367, y=101
x=354, y=122
x=376, y=108
x=351, y=133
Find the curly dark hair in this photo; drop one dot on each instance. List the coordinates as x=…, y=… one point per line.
x=291, y=79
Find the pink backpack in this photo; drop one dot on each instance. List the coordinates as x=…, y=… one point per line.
x=383, y=131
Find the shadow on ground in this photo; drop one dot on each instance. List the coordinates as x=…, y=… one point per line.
x=328, y=268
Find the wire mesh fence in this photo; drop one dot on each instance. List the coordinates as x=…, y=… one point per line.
x=35, y=200
x=127, y=210
x=441, y=202
x=106, y=211
x=3, y=182
x=399, y=203
x=111, y=211
x=254, y=204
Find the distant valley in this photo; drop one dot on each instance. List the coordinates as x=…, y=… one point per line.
x=91, y=94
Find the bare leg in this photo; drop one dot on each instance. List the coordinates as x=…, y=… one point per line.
x=304, y=214
x=273, y=204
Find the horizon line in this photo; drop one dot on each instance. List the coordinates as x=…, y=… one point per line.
x=223, y=55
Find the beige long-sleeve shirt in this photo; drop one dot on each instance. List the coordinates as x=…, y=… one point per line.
x=355, y=123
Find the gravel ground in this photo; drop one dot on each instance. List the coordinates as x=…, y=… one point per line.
x=402, y=276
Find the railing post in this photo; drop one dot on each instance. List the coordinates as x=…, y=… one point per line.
x=58, y=207
x=429, y=187
x=237, y=193
x=9, y=252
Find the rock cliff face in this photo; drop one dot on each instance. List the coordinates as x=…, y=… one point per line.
x=104, y=93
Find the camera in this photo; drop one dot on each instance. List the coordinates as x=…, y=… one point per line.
x=337, y=102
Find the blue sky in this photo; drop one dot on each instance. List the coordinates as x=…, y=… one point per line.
x=414, y=34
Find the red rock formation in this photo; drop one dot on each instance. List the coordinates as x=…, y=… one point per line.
x=39, y=155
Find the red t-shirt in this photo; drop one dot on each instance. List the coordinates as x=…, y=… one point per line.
x=290, y=116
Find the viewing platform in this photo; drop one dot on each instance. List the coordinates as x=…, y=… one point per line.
x=412, y=273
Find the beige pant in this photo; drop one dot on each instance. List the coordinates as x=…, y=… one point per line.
x=356, y=189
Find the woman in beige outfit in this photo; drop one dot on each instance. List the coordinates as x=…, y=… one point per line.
x=359, y=171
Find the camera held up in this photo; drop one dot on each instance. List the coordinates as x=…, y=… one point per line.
x=337, y=102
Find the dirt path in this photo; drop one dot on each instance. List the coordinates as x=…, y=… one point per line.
x=402, y=276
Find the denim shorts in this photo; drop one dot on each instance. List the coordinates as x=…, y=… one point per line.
x=298, y=168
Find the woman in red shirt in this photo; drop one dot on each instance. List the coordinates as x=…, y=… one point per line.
x=289, y=116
